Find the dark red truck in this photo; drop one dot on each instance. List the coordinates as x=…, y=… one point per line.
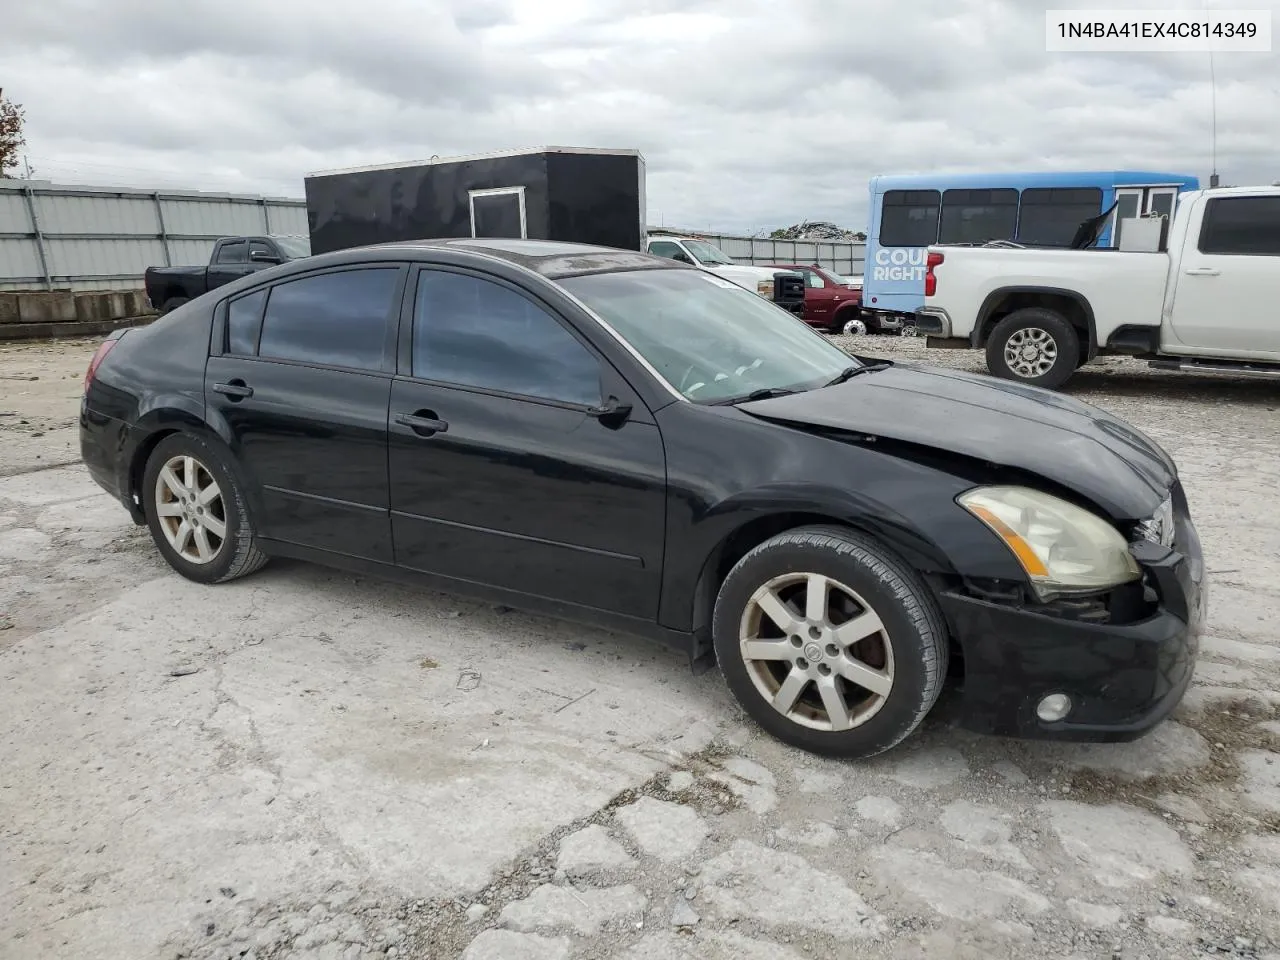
x=831, y=302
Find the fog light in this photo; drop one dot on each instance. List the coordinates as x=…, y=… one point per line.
x=1053, y=707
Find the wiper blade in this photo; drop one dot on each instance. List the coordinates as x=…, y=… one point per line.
x=848, y=373
x=764, y=393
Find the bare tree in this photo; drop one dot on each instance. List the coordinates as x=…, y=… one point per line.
x=11, y=138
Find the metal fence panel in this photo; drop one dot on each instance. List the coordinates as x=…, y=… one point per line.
x=98, y=238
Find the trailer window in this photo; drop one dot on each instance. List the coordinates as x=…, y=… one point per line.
x=976, y=216
x=1244, y=226
x=909, y=218
x=1051, y=216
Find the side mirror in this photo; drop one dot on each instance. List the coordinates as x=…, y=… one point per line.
x=263, y=256
x=612, y=413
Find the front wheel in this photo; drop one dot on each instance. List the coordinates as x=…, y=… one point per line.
x=830, y=642
x=1034, y=346
x=196, y=511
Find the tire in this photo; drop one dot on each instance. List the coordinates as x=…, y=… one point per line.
x=1034, y=329
x=172, y=304
x=235, y=553
x=909, y=650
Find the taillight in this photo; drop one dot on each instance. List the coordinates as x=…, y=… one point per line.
x=98, y=356
x=930, y=278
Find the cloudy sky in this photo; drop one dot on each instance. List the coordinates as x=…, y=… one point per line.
x=751, y=114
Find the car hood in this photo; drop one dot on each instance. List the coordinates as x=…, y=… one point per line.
x=1082, y=448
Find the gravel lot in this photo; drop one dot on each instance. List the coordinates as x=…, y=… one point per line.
x=305, y=764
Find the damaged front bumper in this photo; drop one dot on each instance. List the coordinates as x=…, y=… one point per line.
x=1122, y=678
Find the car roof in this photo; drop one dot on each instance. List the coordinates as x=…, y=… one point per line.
x=552, y=259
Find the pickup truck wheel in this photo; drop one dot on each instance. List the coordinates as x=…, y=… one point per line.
x=830, y=642
x=173, y=303
x=1036, y=346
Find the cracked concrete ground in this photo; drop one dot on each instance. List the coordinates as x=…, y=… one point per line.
x=307, y=764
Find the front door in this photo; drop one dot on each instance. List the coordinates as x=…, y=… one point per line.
x=1227, y=298
x=302, y=379
x=501, y=473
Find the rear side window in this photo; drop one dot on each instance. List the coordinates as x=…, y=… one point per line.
x=234, y=252
x=244, y=320
x=1246, y=226
x=909, y=218
x=477, y=333
x=333, y=319
x=1050, y=216
x=976, y=216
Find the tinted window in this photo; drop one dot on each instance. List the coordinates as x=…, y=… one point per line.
x=497, y=215
x=335, y=319
x=976, y=216
x=665, y=248
x=258, y=247
x=1050, y=217
x=244, y=320
x=1242, y=225
x=236, y=252
x=909, y=218
x=476, y=333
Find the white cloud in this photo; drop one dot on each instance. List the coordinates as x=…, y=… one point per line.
x=751, y=114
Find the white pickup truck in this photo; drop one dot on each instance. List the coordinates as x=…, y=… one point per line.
x=1206, y=299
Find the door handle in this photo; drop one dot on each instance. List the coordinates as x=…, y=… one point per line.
x=1203, y=272
x=424, y=423
x=234, y=389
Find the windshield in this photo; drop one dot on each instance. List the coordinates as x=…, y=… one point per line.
x=709, y=338
x=707, y=252
x=295, y=248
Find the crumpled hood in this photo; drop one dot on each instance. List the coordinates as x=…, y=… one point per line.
x=1084, y=449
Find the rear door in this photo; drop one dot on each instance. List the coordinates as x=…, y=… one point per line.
x=1227, y=295
x=501, y=473
x=300, y=374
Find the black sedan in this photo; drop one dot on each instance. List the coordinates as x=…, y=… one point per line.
x=628, y=441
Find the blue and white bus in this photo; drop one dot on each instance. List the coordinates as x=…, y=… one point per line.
x=908, y=213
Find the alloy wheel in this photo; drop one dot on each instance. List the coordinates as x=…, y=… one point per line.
x=191, y=510
x=1030, y=352
x=816, y=651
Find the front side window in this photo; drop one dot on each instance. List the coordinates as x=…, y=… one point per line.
x=909, y=218
x=976, y=216
x=1247, y=226
x=235, y=252
x=476, y=333
x=708, y=338
x=665, y=248
x=814, y=279
x=331, y=319
x=706, y=253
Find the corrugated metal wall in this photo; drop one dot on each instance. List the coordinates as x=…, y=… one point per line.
x=103, y=238
x=840, y=256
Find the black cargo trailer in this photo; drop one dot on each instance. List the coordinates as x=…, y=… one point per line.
x=575, y=194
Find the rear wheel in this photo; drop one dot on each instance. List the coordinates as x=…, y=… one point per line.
x=830, y=642
x=196, y=511
x=173, y=303
x=1035, y=346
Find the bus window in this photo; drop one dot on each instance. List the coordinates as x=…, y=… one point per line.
x=909, y=218
x=1050, y=217
x=976, y=216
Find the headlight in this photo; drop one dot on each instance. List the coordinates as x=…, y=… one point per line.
x=765, y=289
x=1063, y=549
